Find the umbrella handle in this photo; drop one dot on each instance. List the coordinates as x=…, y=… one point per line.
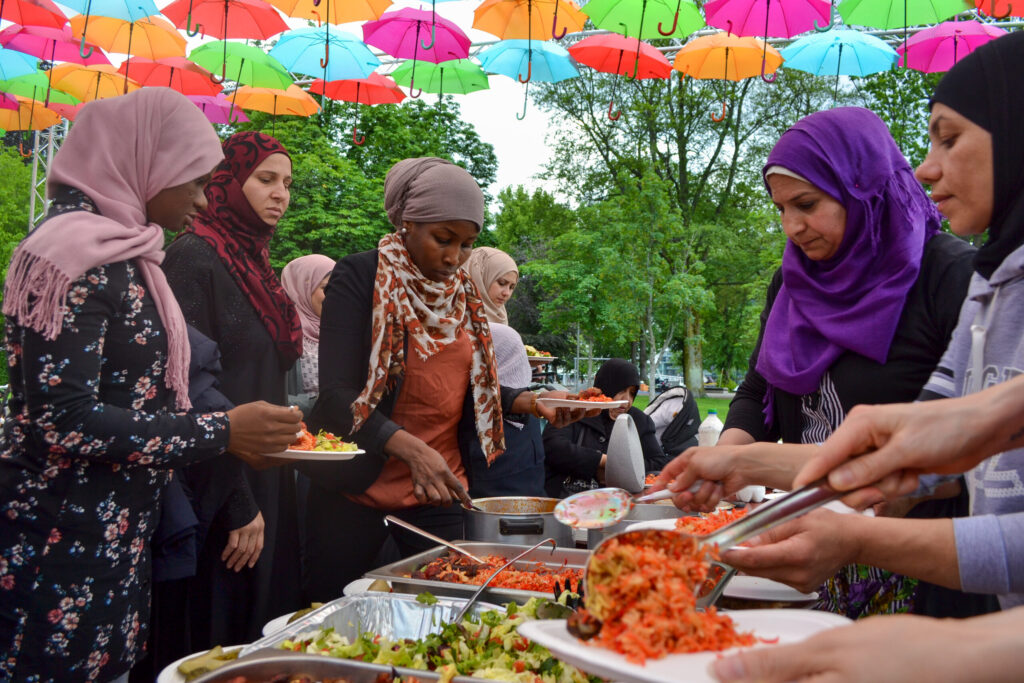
x=357, y=140
x=21, y=150
x=433, y=37
x=554, y=27
x=327, y=56
x=992, y=13
x=188, y=24
x=764, y=77
x=616, y=115
x=81, y=48
x=719, y=119
x=218, y=79
x=831, y=20
x=526, y=92
x=529, y=73
x=412, y=90
x=316, y=3
x=675, y=23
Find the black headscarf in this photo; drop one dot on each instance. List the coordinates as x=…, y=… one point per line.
x=987, y=87
x=615, y=375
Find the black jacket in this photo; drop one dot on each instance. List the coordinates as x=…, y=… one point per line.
x=572, y=453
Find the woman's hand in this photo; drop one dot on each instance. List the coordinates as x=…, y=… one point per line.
x=433, y=483
x=560, y=417
x=260, y=427
x=244, y=545
x=719, y=468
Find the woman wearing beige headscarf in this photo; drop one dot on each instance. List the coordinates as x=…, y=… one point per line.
x=495, y=276
x=407, y=370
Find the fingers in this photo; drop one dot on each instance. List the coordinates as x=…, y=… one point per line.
x=767, y=665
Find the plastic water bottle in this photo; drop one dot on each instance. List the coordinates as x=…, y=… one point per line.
x=709, y=430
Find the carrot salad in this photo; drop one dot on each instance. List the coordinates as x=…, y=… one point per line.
x=707, y=523
x=641, y=586
x=457, y=568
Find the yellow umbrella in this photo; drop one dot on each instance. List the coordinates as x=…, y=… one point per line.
x=294, y=101
x=723, y=55
x=333, y=11
x=91, y=82
x=30, y=115
x=529, y=19
x=152, y=38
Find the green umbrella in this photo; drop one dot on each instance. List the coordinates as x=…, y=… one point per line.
x=456, y=76
x=890, y=14
x=241, y=63
x=646, y=18
x=35, y=85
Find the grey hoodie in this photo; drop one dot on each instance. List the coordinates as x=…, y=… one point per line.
x=987, y=348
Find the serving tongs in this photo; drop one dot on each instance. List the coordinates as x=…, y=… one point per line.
x=391, y=519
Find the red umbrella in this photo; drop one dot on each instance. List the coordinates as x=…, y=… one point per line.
x=173, y=72
x=616, y=54
x=50, y=44
x=68, y=111
x=226, y=18
x=32, y=13
x=374, y=89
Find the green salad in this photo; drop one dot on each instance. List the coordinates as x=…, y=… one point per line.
x=486, y=648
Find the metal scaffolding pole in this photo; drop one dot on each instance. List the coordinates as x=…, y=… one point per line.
x=45, y=144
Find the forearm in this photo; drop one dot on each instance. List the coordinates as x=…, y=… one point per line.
x=772, y=464
x=998, y=413
x=920, y=548
x=735, y=436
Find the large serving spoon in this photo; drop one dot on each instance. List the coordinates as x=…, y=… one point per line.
x=601, y=508
x=391, y=519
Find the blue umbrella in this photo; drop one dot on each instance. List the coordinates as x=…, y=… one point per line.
x=14, y=64
x=840, y=51
x=308, y=51
x=128, y=10
x=527, y=60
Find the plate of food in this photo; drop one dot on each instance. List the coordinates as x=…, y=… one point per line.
x=743, y=587
x=588, y=399
x=321, y=446
x=191, y=667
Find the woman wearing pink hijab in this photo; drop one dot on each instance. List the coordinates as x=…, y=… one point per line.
x=305, y=280
x=98, y=355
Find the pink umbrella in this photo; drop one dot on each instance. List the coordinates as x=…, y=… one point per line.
x=940, y=47
x=767, y=18
x=406, y=34
x=8, y=102
x=218, y=109
x=50, y=44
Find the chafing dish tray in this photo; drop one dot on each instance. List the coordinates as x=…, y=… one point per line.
x=264, y=665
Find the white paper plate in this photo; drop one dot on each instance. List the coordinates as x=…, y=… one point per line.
x=587, y=405
x=356, y=587
x=746, y=587
x=276, y=624
x=789, y=626
x=541, y=359
x=170, y=672
x=316, y=455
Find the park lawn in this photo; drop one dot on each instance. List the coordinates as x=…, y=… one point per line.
x=703, y=404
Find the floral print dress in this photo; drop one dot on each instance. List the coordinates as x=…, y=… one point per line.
x=84, y=454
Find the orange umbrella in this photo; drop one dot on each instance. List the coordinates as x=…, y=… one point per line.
x=91, y=82
x=529, y=19
x=333, y=11
x=723, y=55
x=152, y=38
x=294, y=101
x=30, y=115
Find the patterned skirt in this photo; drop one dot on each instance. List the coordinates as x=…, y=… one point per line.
x=858, y=591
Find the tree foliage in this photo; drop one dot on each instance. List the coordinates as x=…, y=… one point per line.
x=14, y=199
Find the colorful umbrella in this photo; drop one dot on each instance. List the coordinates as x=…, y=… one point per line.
x=95, y=82
x=36, y=86
x=226, y=18
x=840, y=51
x=615, y=54
x=517, y=59
x=307, y=51
x=247, y=64
x=218, y=109
x=940, y=47
x=456, y=76
x=30, y=115
x=404, y=33
x=50, y=44
x=8, y=102
x=128, y=10
x=778, y=19
x=646, y=18
x=291, y=102
x=14, y=64
x=530, y=19
x=333, y=11
x=151, y=38
x=32, y=13
x=1000, y=9
x=172, y=72
x=374, y=89
x=721, y=55
x=891, y=14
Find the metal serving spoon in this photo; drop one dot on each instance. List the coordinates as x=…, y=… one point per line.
x=391, y=519
x=601, y=508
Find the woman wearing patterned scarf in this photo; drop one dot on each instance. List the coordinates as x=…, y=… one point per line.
x=220, y=271
x=407, y=370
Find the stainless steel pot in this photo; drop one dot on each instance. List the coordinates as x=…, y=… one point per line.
x=639, y=513
x=518, y=520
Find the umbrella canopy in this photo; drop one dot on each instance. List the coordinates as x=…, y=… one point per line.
x=91, y=82
x=227, y=18
x=30, y=115
x=615, y=54
x=1000, y=9
x=529, y=60
x=32, y=13
x=50, y=44
x=899, y=13
x=404, y=33
x=128, y=10
x=314, y=51
x=333, y=11
x=721, y=55
x=291, y=102
x=218, y=109
x=530, y=19
x=178, y=73
x=8, y=102
x=152, y=37
x=374, y=89
x=646, y=18
x=940, y=47
x=36, y=86
x=456, y=76
x=244, y=64
x=14, y=64
x=770, y=18
x=839, y=51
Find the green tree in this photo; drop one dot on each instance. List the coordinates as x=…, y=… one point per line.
x=900, y=98
x=14, y=197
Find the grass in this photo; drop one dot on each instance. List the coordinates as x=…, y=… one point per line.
x=703, y=404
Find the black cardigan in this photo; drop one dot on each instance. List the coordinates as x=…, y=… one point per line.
x=929, y=316
x=345, y=344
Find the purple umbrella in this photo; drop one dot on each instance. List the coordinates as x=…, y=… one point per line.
x=940, y=47
x=218, y=108
x=417, y=35
x=50, y=44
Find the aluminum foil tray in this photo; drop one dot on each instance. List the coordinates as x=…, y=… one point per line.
x=391, y=615
x=263, y=665
x=398, y=573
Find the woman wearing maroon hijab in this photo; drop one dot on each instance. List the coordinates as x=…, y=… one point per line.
x=220, y=271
